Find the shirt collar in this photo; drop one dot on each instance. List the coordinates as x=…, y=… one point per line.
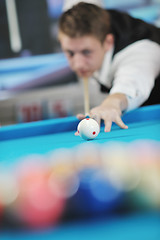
x=102, y=75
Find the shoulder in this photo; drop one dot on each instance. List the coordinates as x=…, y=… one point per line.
x=127, y=30
x=119, y=18
x=143, y=45
x=119, y=15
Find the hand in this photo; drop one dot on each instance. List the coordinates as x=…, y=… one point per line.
x=109, y=114
x=110, y=111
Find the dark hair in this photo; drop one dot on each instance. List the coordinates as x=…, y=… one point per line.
x=85, y=19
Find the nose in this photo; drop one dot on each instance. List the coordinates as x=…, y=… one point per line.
x=78, y=61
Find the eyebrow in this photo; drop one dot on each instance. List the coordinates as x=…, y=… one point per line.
x=73, y=52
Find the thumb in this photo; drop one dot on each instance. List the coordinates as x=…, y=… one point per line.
x=80, y=116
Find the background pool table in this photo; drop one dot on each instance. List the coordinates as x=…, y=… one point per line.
x=41, y=137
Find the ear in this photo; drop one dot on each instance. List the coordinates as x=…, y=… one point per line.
x=109, y=41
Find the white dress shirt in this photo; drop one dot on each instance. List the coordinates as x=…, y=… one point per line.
x=132, y=71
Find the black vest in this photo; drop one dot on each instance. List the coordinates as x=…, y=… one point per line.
x=127, y=30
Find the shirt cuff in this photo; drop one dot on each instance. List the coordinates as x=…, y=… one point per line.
x=133, y=97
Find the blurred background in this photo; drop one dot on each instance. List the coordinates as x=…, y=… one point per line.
x=36, y=82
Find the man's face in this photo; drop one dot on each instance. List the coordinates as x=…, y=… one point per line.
x=85, y=54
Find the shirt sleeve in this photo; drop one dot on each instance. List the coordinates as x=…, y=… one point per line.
x=135, y=69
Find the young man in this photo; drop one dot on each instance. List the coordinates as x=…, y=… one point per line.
x=121, y=52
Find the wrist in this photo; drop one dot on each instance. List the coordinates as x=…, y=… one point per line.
x=117, y=100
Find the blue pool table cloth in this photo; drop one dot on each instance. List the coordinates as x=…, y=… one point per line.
x=18, y=141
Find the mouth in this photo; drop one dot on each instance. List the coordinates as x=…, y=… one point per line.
x=84, y=73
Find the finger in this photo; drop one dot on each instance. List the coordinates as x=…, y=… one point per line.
x=97, y=119
x=108, y=125
x=80, y=116
x=76, y=133
x=120, y=123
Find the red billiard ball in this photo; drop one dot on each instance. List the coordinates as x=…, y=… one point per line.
x=40, y=202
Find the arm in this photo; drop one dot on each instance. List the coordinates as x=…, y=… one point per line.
x=135, y=70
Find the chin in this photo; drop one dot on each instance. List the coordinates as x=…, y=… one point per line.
x=85, y=75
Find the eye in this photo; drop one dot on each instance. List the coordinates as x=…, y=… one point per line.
x=86, y=52
x=69, y=53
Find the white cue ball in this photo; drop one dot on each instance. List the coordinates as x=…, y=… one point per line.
x=88, y=128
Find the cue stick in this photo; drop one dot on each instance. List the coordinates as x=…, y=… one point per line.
x=86, y=96
x=14, y=33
